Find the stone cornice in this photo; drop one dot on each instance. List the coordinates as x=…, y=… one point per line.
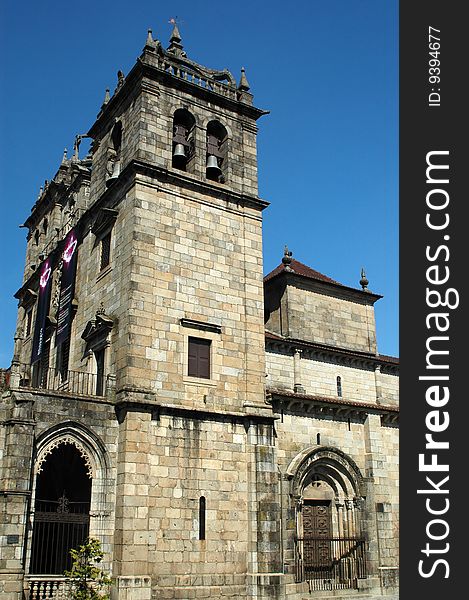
x=322, y=351
x=322, y=405
x=158, y=408
x=206, y=188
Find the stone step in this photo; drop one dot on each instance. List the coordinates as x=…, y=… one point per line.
x=346, y=595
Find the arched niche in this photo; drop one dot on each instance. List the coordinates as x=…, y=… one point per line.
x=183, y=141
x=327, y=491
x=217, y=152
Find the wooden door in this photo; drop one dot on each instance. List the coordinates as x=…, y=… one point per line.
x=317, y=535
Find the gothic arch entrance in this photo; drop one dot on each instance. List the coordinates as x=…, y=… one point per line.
x=61, y=509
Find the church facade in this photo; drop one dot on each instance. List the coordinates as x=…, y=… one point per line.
x=221, y=433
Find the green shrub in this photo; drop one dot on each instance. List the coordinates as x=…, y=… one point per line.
x=87, y=580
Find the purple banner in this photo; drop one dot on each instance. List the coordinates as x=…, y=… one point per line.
x=45, y=284
x=67, y=287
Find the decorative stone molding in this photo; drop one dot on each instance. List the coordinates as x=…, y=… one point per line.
x=104, y=221
x=65, y=439
x=332, y=464
x=97, y=331
x=201, y=325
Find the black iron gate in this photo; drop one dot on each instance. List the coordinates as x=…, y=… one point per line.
x=59, y=526
x=330, y=563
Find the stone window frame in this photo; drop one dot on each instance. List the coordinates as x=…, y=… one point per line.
x=105, y=251
x=206, y=331
x=103, y=228
x=28, y=315
x=97, y=335
x=28, y=303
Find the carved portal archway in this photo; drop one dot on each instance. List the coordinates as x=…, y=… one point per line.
x=327, y=495
x=71, y=481
x=328, y=477
x=61, y=508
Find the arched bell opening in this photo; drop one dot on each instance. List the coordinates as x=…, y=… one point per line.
x=217, y=152
x=61, y=509
x=183, y=140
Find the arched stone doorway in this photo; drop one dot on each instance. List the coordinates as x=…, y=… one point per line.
x=327, y=494
x=61, y=508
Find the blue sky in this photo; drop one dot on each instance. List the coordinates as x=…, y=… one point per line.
x=328, y=152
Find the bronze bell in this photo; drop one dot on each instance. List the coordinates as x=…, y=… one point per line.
x=213, y=170
x=179, y=151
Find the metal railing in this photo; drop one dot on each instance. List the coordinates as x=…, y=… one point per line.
x=71, y=382
x=330, y=563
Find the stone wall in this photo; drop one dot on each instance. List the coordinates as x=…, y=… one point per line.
x=319, y=377
x=167, y=462
x=321, y=313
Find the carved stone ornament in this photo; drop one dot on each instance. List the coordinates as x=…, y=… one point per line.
x=67, y=439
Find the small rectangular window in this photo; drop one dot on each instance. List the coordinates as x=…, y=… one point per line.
x=199, y=358
x=105, y=250
x=202, y=514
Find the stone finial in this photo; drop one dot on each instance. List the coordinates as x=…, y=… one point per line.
x=243, y=82
x=107, y=97
x=287, y=257
x=175, y=46
x=364, y=281
x=64, y=157
x=175, y=35
x=120, y=80
x=150, y=43
x=76, y=148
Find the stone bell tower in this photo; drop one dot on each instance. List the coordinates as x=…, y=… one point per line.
x=150, y=374
x=174, y=156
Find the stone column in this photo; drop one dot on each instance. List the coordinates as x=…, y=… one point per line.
x=15, y=375
x=265, y=561
x=378, y=383
x=15, y=492
x=297, y=386
x=340, y=518
x=374, y=460
x=358, y=504
x=132, y=580
x=350, y=518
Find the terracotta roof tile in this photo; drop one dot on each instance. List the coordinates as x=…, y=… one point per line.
x=330, y=400
x=299, y=269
